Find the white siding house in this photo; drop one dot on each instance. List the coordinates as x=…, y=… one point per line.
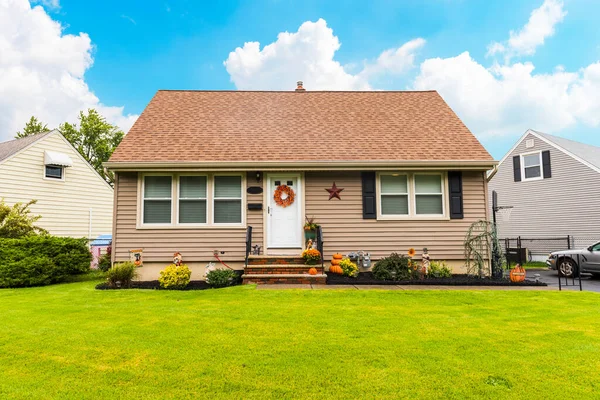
x=72, y=198
x=554, y=186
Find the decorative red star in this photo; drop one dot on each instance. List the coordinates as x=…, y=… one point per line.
x=334, y=192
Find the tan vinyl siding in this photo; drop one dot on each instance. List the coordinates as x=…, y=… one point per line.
x=195, y=244
x=345, y=230
x=565, y=204
x=63, y=205
x=254, y=218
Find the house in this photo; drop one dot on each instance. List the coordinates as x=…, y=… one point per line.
x=552, y=184
x=72, y=198
x=380, y=171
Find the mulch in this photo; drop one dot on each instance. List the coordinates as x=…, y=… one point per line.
x=367, y=278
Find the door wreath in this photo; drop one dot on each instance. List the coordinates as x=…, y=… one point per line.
x=289, y=198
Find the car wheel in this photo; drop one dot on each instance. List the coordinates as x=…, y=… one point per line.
x=567, y=267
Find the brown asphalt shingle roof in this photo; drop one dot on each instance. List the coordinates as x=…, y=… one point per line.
x=233, y=126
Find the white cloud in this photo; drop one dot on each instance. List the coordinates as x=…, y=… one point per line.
x=50, y=4
x=508, y=99
x=503, y=99
x=128, y=18
x=308, y=55
x=539, y=27
x=42, y=71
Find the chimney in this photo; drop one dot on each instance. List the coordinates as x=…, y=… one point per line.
x=300, y=88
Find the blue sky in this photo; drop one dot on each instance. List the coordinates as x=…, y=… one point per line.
x=125, y=51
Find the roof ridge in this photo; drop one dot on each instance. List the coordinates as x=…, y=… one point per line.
x=293, y=91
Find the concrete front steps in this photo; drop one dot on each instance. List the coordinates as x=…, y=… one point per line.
x=281, y=269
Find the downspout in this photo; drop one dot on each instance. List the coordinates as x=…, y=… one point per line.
x=90, y=228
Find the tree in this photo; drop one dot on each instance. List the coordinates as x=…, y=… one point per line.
x=17, y=221
x=32, y=127
x=95, y=139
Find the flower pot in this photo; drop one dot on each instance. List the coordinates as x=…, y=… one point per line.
x=310, y=234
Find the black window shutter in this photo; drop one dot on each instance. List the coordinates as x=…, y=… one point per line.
x=517, y=168
x=369, y=195
x=456, y=194
x=546, y=164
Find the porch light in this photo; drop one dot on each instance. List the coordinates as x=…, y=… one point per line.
x=257, y=176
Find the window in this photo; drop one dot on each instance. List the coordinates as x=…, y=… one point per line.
x=416, y=195
x=54, y=172
x=429, y=198
x=227, y=208
x=192, y=199
x=189, y=201
x=532, y=165
x=157, y=200
x=394, y=194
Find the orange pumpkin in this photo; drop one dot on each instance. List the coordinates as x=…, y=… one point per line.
x=337, y=256
x=335, y=261
x=336, y=269
x=517, y=274
x=312, y=271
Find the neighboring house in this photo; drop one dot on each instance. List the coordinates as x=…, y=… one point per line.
x=72, y=197
x=553, y=185
x=199, y=167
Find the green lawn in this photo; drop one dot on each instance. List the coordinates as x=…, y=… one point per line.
x=533, y=265
x=71, y=341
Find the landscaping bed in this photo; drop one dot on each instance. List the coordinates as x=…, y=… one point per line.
x=367, y=278
x=193, y=285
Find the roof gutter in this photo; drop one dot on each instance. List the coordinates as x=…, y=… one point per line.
x=302, y=165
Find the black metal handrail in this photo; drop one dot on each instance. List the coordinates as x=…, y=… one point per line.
x=248, y=243
x=320, y=243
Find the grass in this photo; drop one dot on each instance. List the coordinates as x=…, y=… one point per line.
x=71, y=341
x=532, y=265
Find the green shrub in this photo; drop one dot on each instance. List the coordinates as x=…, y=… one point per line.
x=218, y=278
x=439, y=269
x=349, y=268
x=17, y=221
x=396, y=267
x=41, y=260
x=121, y=274
x=175, y=277
x=104, y=262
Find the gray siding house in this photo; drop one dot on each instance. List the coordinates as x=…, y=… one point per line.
x=553, y=185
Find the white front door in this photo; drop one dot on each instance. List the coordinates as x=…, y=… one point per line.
x=284, y=224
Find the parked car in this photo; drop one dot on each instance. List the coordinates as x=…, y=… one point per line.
x=567, y=261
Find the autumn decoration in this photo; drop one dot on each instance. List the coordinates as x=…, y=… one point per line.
x=312, y=271
x=517, y=274
x=336, y=269
x=338, y=256
x=284, y=196
x=334, y=192
x=311, y=256
x=411, y=252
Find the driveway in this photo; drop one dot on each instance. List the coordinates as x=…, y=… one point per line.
x=551, y=278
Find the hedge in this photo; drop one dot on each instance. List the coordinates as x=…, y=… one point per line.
x=41, y=260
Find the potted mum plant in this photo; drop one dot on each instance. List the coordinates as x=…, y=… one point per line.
x=310, y=229
x=311, y=256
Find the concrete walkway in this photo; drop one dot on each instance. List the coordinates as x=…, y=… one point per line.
x=401, y=287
